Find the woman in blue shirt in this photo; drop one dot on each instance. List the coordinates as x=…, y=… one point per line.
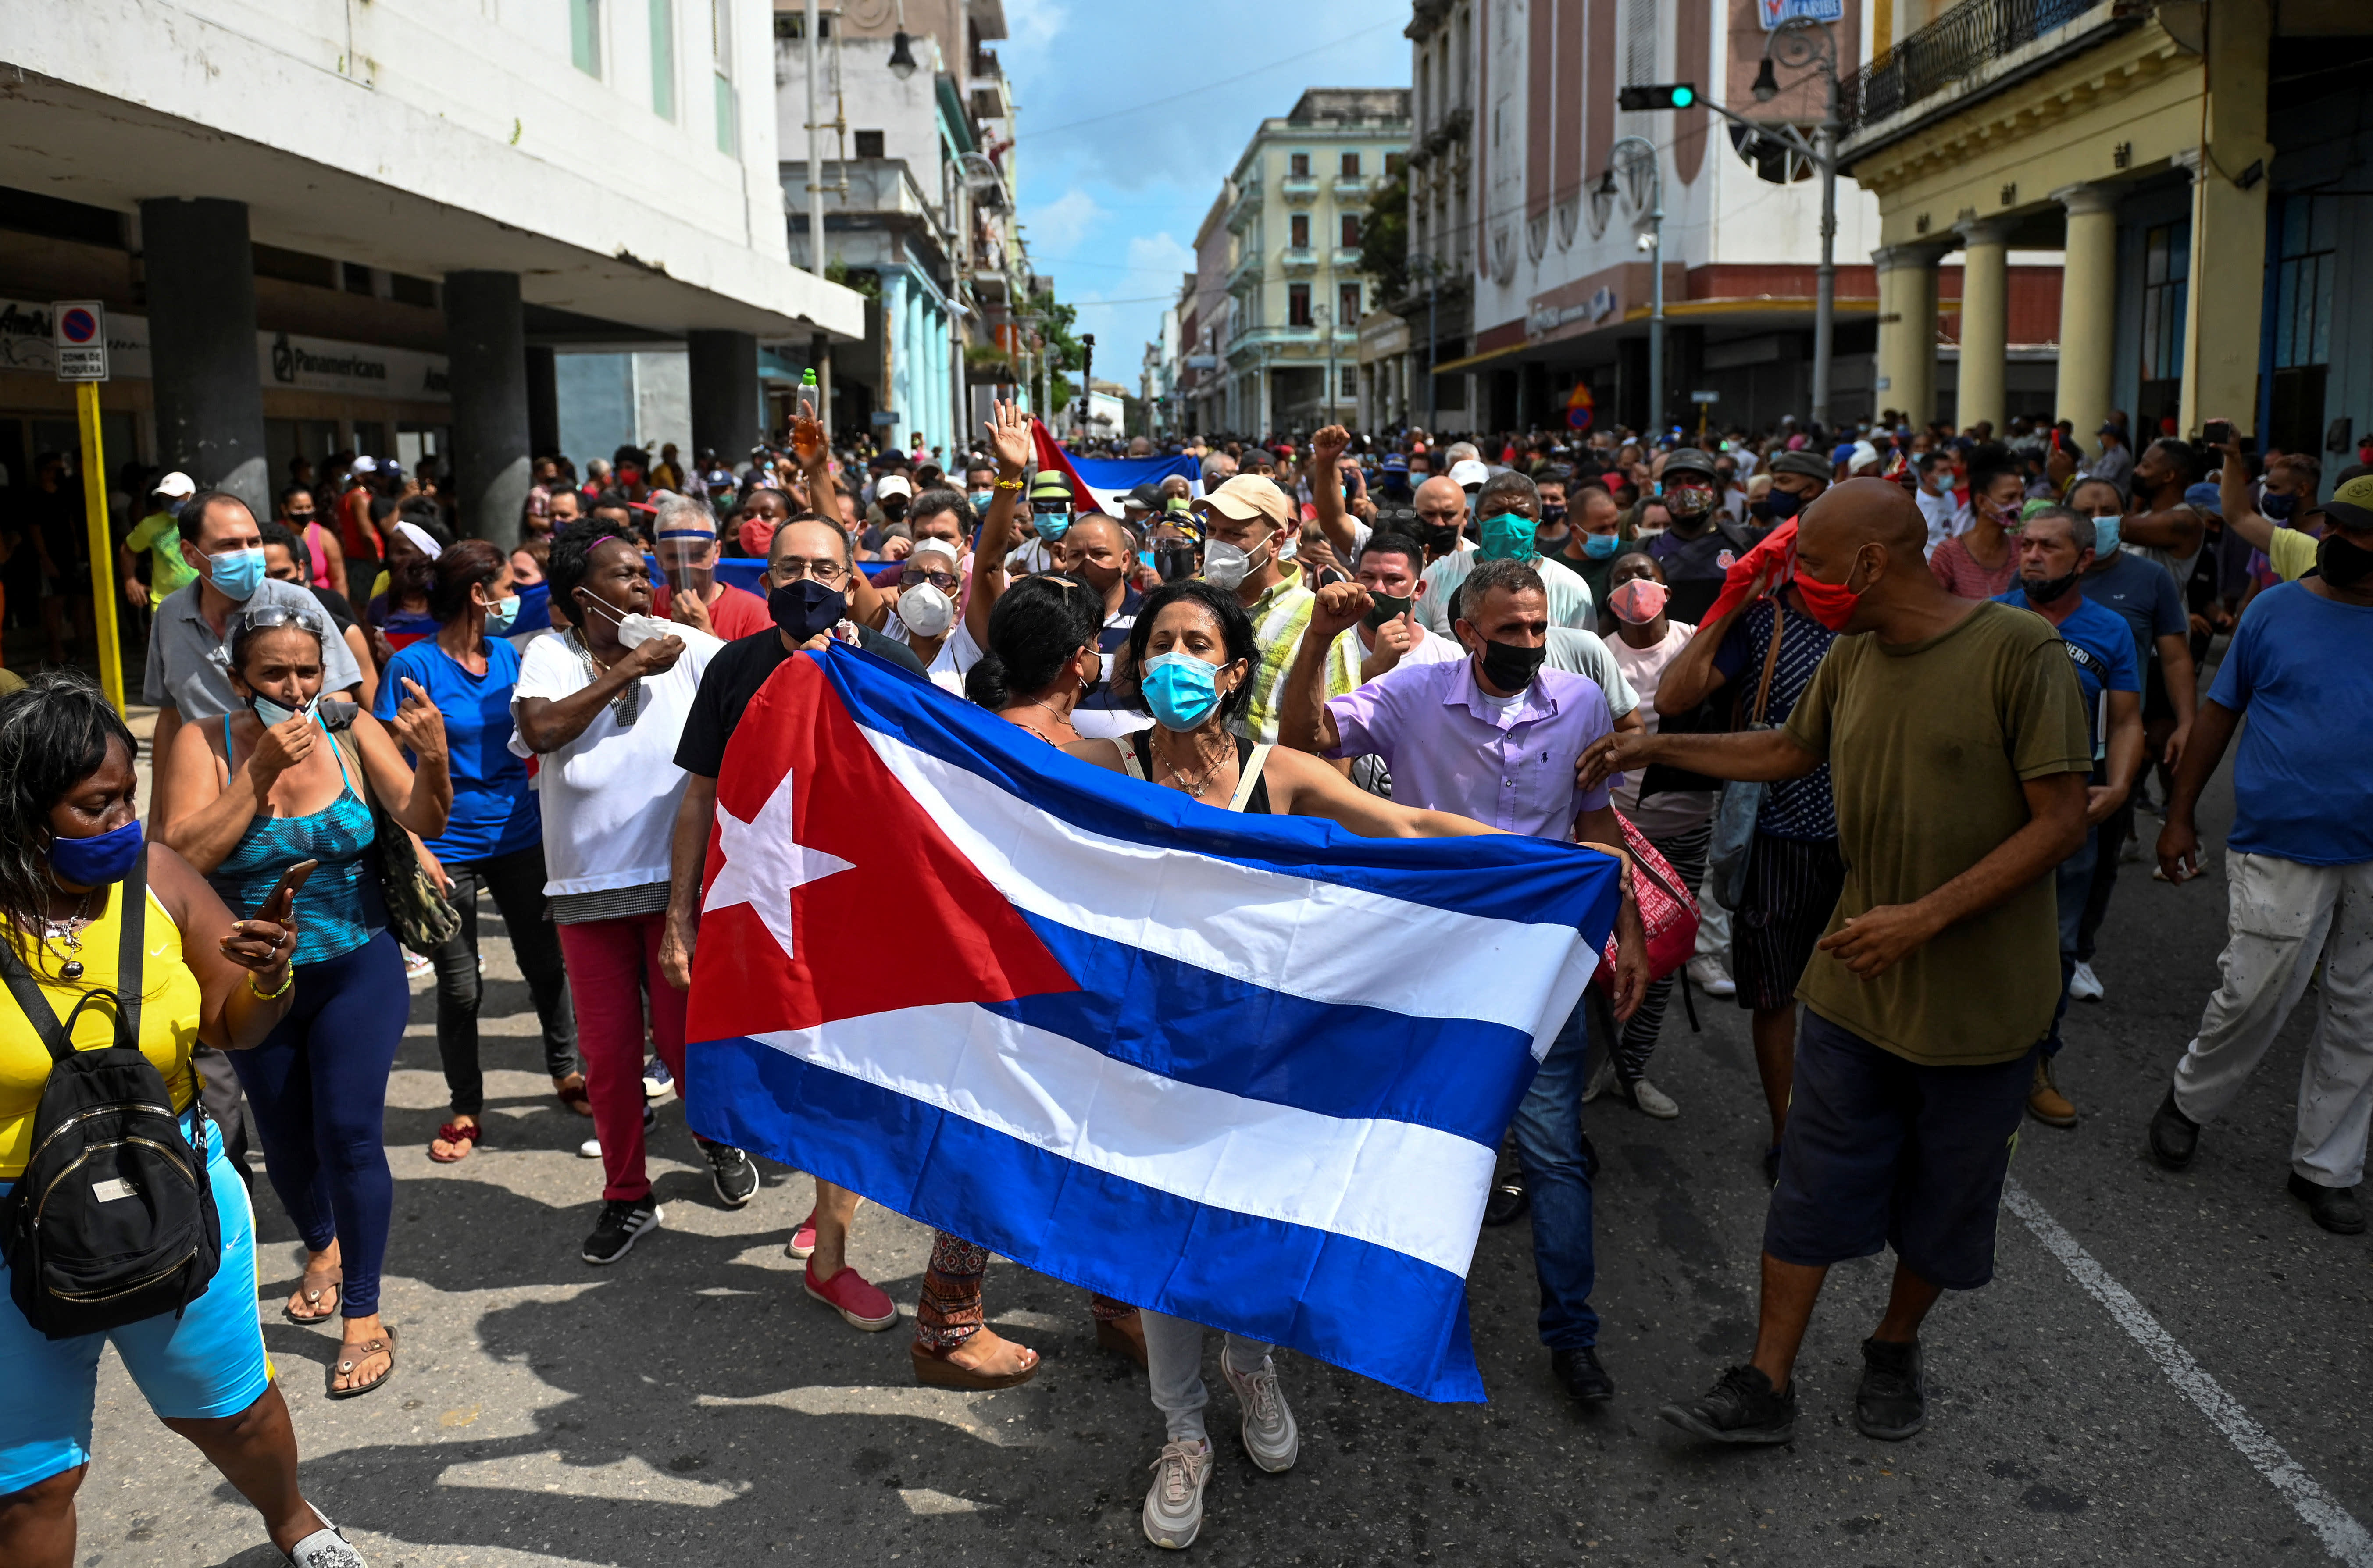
x=494, y=840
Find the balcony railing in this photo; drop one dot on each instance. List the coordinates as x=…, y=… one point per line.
x=1949, y=51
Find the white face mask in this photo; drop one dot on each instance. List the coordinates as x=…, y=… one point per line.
x=926, y=611
x=633, y=630
x=1225, y=566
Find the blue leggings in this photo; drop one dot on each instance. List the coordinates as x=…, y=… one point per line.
x=318, y=1088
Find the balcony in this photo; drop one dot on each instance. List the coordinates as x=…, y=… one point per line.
x=1246, y=206
x=1247, y=266
x=1972, y=51
x=1352, y=188
x=1296, y=259
x=1299, y=189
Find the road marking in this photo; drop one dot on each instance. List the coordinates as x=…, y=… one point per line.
x=2335, y=1525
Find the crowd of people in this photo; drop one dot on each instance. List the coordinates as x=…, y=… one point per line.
x=1870, y=718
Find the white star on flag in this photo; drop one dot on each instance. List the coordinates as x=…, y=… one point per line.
x=763, y=864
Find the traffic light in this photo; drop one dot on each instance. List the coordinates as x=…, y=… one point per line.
x=1660, y=94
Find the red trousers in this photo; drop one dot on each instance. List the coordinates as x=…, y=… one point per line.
x=613, y=966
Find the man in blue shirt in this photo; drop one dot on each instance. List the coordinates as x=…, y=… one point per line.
x=2299, y=860
x=2146, y=595
x=2055, y=548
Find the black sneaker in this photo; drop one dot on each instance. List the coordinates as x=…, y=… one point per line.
x=732, y=1173
x=1507, y=1200
x=1741, y=1409
x=1583, y=1378
x=622, y=1223
x=2333, y=1208
x=1892, y=1402
x=2174, y=1137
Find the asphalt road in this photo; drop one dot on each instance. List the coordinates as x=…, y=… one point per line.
x=2124, y=1397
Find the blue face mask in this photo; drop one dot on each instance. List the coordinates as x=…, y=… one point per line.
x=95, y=861
x=2105, y=536
x=1180, y=691
x=1601, y=546
x=1508, y=537
x=980, y=500
x=2277, y=507
x=272, y=713
x=238, y=572
x=1051, y=526
x=500, y=615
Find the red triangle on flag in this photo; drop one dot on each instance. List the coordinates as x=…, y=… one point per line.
x=902, y=919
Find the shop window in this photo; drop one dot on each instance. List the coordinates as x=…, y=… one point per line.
x=2302, y=322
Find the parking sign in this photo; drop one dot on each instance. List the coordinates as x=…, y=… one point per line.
x=78, y=334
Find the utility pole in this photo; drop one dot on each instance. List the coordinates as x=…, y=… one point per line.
x=819, y=349
x=1087, y=382
x=1797, y=42
x=1652, y=241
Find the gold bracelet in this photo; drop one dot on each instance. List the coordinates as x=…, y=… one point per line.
x=1009, y=484
x=285, y=981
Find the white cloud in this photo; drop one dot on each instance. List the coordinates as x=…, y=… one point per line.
x=1057, y=227
x=1034, y=24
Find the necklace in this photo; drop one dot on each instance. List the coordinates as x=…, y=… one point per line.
x=69, y=931
x=1060, y=717
x=1179, y=781
x=627, y=706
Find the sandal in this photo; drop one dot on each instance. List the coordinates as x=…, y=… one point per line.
x=934, y=1369
x=464, y=1133
x=571, y=1093
x=336, y=1277
x=352, y=1356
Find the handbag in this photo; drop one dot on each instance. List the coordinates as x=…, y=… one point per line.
x=1666, y=910
x=418, y=911
x=1734, y=817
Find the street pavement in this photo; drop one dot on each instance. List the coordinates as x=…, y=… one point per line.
x=2167, y=1369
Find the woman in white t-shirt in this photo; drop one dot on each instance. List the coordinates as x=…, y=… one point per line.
x=603, y=704
x=1678, y=823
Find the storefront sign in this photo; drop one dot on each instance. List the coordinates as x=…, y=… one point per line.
x=1774, y=12
x=29, y=336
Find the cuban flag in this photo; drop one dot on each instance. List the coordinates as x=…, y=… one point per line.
x=1249, y=1070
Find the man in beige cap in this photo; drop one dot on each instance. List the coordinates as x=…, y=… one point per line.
x=1250, y=539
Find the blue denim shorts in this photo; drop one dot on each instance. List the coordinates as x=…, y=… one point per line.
x=1882, y=1152
x=207, y=1363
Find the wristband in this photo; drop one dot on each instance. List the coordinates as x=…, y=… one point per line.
x=286, y=982
x=1009, y=484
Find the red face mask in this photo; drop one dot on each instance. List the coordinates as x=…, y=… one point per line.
x=1831, y=603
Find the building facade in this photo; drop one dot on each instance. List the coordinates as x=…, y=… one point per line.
x=1291, y=227
x=2193, y=165
x=376, y=226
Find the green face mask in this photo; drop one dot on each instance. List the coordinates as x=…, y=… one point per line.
x=1508, y=537
x=1385, y=607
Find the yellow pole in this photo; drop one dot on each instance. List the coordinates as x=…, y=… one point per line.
x=102, y=546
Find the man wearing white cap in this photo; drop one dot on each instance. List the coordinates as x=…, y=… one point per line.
x=159, y=533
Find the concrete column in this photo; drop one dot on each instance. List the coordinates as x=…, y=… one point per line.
x=1985, y=323
x=209, y=393
x=2088, y=304
x=1907, y=329
x=724, y=374
x=542, y=402
x=487, y=347
x=2228, y=223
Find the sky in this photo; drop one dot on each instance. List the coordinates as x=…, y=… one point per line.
x=1131, y=115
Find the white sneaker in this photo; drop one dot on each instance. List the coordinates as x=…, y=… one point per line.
x=589, y=1150
x=1706, y=974
x=325, y=1548
x=1173, y=1505
x=2084, y=984
x=1600, y=1082
x=1653, y=1101
x=1271, y=1436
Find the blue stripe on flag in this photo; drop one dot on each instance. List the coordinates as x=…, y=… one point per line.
x=1500, y=876
x=1358, y=1305
x=1458, y=1075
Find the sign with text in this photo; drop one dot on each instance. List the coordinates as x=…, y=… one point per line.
x=1774, y=12
x=78, y=339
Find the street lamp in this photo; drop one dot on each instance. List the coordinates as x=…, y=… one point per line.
x=902, y=58
x=1652, y=240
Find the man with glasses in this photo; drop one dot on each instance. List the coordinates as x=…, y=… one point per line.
x=694, y=595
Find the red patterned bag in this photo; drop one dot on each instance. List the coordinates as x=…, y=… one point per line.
x=1666, y=909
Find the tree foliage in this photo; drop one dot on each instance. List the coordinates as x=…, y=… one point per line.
x=1384, y=240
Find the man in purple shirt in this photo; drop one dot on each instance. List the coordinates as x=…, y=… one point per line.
x=1496, y=737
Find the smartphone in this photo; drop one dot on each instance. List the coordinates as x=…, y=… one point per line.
x=2217, y=432
x=278, y=903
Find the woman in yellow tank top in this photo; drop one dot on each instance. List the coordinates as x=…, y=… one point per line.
x=69, y=835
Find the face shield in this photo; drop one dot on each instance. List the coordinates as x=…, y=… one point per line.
x=688, y=557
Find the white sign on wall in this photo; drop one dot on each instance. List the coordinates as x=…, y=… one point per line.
x=28, y=339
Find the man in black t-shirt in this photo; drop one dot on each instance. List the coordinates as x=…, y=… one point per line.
x=1696, y=551
x=808, y=577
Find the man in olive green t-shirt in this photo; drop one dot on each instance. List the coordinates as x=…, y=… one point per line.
x=1955, y=734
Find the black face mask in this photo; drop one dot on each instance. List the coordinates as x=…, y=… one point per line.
x=894, y=507
x=2052, y=591
x=806, y=608
x=1440, y=538
x=1385, y=607
x=1511, y=668
x=2341, y=564
x=1777, y=505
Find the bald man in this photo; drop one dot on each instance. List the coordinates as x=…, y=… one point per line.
x=1955, y=734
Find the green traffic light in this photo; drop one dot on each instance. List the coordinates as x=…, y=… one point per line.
x=1683, y=96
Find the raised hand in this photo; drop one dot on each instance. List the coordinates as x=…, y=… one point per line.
x=1009, y=437
x=281, y=747
x=1339, y=606
x=1329, y=444
x=419, y=724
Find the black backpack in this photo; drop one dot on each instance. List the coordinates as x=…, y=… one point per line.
x=114, y=1220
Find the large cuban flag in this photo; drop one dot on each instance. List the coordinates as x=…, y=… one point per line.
x=1249, y=1070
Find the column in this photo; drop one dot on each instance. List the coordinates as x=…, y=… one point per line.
x=209, y=391
x=1985, y=322
x=724, y=374
x=1907, y=329
x=487, y=344
x=543, y=401
x=2228, y=223
x=2089, y=305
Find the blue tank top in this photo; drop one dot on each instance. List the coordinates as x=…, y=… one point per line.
x=341, y=907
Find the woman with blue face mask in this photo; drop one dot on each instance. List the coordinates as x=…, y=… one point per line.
x=493, y=840
x=282, y=779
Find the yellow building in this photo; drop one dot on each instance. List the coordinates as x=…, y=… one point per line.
x=2174, y=152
